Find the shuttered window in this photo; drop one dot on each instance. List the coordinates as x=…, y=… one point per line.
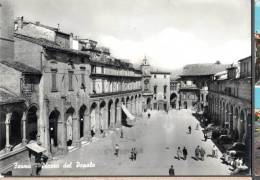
x=70, y=81
x=54, y=80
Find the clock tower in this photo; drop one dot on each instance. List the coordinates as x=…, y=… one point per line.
x=146, y=68
x=146, y=71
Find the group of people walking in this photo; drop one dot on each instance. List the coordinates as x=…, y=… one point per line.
x=200, y=153
x=183, y=152
x=133, y=154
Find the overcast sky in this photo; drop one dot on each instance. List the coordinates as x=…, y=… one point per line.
x=171, y=33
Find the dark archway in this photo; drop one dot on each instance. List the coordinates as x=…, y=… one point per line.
x=102, y=116
x=109, y=109
x=185, y=105
x=53, y=128
x=82, y=111
x=148, y=103
x=173, y=100
x=31, y=125
x=16, y=128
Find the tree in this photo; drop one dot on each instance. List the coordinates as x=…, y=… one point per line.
x=217, y=62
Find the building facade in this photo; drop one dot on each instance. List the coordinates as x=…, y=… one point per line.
x=68, y=94
x=156, y=88
x=230, y=100
x=6, y=29
x=174, y=91
x=194, y=80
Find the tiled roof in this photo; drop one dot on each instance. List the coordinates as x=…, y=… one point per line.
x=95, y=59
x=21, y=67
x=202, y=69
x=7, y=97
x=39, y=41
x=49, y=44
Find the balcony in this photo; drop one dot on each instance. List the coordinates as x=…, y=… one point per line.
x=103, y=94
x=107, y=74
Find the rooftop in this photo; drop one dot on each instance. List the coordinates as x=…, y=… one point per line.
x=49, y=44
x=103, y=59
x=203, y=69
x=21, y=67
x=7, y=97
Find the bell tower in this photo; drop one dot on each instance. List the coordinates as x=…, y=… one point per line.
x=146, y=68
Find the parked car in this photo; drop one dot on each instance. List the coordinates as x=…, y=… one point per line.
x=238, y=146
x=224, y=139
x=210, y=127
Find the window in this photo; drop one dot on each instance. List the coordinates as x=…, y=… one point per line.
x=154, y=76
x=189, y=83
x=94, y=86
x=155, y=89
x=53, y=80
x=83, y=82
x=102, y=69
x=164, y=89
x=70, y=81
x=164, y=76
x=93, y=69
x=103, y=85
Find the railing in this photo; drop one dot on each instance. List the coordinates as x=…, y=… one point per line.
x=116, y=74
x=113, y=93
x=188, y=87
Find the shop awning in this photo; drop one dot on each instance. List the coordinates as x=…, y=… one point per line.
x=128, y=114
x=35, y=147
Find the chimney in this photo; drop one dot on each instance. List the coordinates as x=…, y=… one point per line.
x=37, y=23
x=58, y=27
x=20, y=22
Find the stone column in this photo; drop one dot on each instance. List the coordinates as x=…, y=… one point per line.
x=118, y=123
x=46, y=130
x=112, y=116
x=62, y=128
x=76, y=131
x=97, y=119
x=105, y=117
x=7, y=131
x=40, y=129
x=87, y=127
x=24, y=140
x=135, y=105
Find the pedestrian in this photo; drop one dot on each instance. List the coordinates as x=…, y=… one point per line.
x=197, y=127
x=121, y=133
x=189, y=129
x=202, y=153
x=149, y=115
x=214, y=152
x=178, y=153
x=205, y=136
x=135, y=154
x=116, y=150
x=197, y=152
x=185, y=153
x=171, y=171
x=132, y=154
